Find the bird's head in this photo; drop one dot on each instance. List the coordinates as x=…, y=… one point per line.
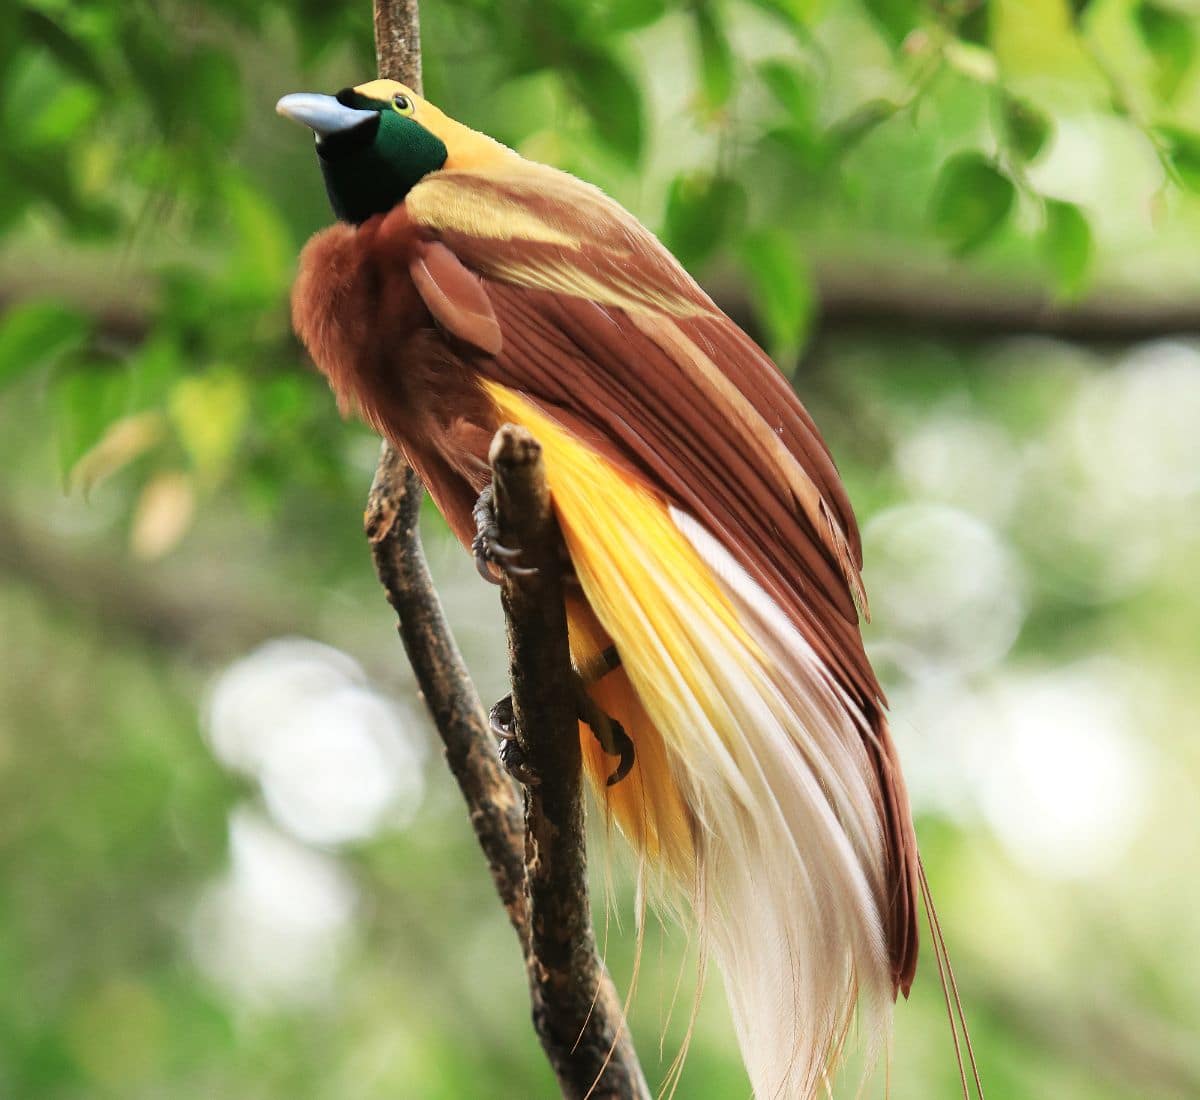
x=377, y=141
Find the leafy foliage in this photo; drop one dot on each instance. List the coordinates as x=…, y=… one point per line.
x=971, y=201
x=1067, y=244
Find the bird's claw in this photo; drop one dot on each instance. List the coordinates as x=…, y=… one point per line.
x=501, y=718
x=610, y=733
x=486, y=545
x=623, y=746
x=512, y=756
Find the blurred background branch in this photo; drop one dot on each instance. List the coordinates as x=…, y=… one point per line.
x=850, y=296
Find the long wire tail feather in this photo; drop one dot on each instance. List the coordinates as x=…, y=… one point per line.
x=950, y=992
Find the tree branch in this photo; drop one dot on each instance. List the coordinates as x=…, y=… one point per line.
x=576, y=1011
x=937, y=300
x=539, y=866
x=392, y=517
x=392, y=526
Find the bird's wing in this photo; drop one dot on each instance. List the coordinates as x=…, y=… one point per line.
x=596, y=322
x=563, y=297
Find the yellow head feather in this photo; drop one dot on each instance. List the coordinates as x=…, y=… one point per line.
x=468, y=150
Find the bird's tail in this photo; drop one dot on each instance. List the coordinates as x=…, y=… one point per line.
x=753, y=789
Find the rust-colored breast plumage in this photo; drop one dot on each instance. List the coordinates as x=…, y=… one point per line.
x=357, y=309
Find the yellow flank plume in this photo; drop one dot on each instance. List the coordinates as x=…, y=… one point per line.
x=600, y=511
x=622, y=541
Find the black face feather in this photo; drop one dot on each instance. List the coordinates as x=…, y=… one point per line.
x=371, y=167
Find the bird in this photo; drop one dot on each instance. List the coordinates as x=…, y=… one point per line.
x=715, y=560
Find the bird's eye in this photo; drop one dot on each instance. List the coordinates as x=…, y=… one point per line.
x=402, y=104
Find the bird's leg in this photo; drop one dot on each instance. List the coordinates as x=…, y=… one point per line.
x=486, y=545
x=512, y=756
x=607, y=730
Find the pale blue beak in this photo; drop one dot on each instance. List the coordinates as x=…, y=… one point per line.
x=322, y=114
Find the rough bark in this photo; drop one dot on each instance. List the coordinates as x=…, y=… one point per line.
x=576, y=1011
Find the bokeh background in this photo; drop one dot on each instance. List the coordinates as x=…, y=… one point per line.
x=231, y=861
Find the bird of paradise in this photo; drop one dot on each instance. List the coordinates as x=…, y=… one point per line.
x=715, y=622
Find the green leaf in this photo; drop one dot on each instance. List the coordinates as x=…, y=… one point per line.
x=974, y=26
x=616, y=16
x=209, y=412
x=797, y=14
x=261, y=264
x=780, y=289
x=1067, y=247
x=716, y=58
x=788, y=86
x=896, y=18
x=86, y=400
x=971, y=200
x=605, y=89
x=66, y=116
x=847, y=132
x=1171, y=39
x=1183, y=155
x=37, y=334
x=806, y=152
x=1026, y=128
x=702, y=211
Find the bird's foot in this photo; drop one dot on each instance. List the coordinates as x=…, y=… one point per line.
x=512, y=756
x=489, y=551
x=611, y=735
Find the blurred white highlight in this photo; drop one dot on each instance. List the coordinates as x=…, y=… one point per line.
x=945, y=589
x=273, y=928
x=1113, y=489
x=962, y=461
x=335, y=759
x=1051, y=760
x=1068, y=787
x=1135, y=429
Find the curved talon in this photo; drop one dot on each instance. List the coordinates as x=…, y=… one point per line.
x=498, y=551
x=483, y=565
x=608, y=731
x=487, y=548
x=501, y=718
x=628, y=756
x=512, y=756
